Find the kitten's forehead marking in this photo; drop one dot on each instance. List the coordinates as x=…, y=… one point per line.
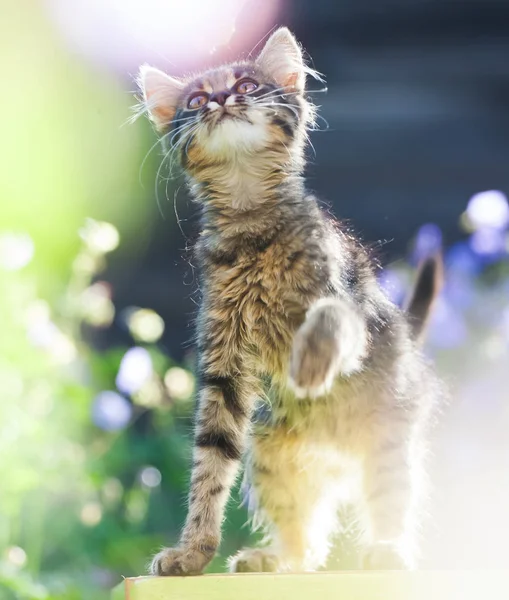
x=221, y=79
x=230, y=79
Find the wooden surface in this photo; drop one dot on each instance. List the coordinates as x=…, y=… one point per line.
x=418, y=585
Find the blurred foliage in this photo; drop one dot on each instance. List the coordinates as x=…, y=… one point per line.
x=65, y=152
x=85, y=496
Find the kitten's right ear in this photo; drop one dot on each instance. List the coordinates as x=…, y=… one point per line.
x=281, y=57
x=160, y=93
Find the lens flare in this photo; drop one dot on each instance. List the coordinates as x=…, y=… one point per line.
x=175, y=35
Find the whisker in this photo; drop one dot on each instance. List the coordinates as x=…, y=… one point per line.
x=189, y=139
x=169, y=155
x=156, y=184
x=273, y=95
x=181, y=129
x=138, y=110
x=273, y=104
x=323, y=90
x=319, y=116
x=308, y=140
x=279, y=91
x=262, y=40
x=185, y=138
x=140, y=170
x=287, y=150
x=184, y=119
x=175, y=194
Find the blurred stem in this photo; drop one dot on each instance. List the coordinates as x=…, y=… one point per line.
x=35, y=540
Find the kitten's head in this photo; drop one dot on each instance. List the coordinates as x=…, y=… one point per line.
x=233, y=110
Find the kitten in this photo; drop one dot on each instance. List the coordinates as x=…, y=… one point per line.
x=289, y=297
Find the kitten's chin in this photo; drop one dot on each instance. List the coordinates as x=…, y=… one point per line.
x=232, y=135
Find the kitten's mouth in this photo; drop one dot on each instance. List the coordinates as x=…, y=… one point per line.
x=229, y=116
x=224, y=117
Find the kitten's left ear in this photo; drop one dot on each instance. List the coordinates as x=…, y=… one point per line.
x=161, y=94
x=281, y=58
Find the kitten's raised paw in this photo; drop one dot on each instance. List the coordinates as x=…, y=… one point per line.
x=312, y=364
x=383, y=556
x=180, y=561
x=254, y=561
x=330, y=342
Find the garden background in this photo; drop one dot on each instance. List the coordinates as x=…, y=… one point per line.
x=98, y=289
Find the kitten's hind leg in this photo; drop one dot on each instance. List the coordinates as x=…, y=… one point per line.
x=389, y=486
x=294, y=496
x=332, y=341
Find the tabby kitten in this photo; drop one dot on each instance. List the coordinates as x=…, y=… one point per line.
x=289, y=298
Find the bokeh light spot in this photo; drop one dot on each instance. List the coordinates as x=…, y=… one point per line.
x=488, y=209
x=111, y=411
x=16, y=250
x=97, y=309
x=150, y=394
x=135, y=370
x=150, y=477
x=145, y=325
x=179, y=383
x=16, y=556
x=91, y=514
x=99, y=236
x=112, y=490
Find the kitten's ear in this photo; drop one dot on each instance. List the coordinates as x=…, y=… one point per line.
x=281, y=58
x=160, y=93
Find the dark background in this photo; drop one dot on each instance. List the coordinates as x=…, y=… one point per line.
x=418, y=121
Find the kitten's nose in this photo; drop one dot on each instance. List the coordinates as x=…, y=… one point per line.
x=220, y=97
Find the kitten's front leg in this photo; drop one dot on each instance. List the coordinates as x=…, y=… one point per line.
x=332, y=340
x=225, y=404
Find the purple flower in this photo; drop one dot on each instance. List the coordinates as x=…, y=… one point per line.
x=447, y=326
x=111, y=411
x=488, y=210
x=393, y=285
x=489, y=243
x=427, y=242
x=460, y=258
x=459, y=291
x=135, y=369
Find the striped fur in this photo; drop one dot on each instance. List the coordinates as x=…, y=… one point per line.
x=289, y=298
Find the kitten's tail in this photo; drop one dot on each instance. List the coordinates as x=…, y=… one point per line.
x=427, y=287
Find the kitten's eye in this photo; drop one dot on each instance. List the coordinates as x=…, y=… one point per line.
x=197, y=101
x=246, y=86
